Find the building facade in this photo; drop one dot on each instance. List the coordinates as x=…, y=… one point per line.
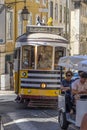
x=78, y=34
x=71, y=15
x=59, y=11
x=15, y=26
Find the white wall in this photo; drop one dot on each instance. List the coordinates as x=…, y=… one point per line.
x=74, y=34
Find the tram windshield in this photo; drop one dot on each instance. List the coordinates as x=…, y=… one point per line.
x=43, y=57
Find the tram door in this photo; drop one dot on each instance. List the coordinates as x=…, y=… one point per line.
x=16, y=68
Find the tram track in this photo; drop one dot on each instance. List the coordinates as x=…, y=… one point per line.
x=52, y=114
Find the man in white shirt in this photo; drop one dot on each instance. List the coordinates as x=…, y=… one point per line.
x=79, y=86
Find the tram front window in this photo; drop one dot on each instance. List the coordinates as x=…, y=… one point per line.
x=44, y=55
x=28, y=57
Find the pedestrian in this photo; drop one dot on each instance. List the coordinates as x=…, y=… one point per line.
x=66, y=88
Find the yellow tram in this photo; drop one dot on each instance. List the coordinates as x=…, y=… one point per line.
x=36, y=73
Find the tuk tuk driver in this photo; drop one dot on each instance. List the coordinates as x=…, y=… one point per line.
x=66, y=88
x=79, y=86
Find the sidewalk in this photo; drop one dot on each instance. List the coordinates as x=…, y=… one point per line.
x=6, y=92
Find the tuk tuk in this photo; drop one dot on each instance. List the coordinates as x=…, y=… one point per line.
x=80, y=107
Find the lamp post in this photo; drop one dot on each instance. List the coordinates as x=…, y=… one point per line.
x=25, y=13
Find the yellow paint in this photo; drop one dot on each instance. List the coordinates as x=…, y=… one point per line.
x=33, y=8
x=39, y=92
x=16, y=82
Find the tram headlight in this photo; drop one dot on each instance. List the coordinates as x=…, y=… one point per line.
x=24, y=74
x=43, y=85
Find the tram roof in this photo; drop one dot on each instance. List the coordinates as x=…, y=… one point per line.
x=40, y=37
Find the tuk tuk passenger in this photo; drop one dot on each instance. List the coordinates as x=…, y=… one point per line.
x=79, y=86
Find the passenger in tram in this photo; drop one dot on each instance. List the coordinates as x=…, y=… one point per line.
x=44, y=60
x=79, y=86
x=66, y=88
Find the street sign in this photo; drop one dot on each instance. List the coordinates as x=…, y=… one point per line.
x=43, y=10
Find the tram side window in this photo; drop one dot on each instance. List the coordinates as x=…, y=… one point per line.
x=28, y=57
x=59, y=52
x=44, y=55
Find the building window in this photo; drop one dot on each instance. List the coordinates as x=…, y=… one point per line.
x=51, y=9
x=60, y=13
x=9, y=19
x=56, y=11
x=67, y=15
x=20, y=24
x=44, y=2
x=64, y=14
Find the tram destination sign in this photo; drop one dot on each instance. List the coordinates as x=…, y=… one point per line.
x=52, y=29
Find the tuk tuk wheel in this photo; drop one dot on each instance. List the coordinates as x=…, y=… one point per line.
x=62, y=120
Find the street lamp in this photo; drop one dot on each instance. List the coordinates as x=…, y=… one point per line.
x=25, y=12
